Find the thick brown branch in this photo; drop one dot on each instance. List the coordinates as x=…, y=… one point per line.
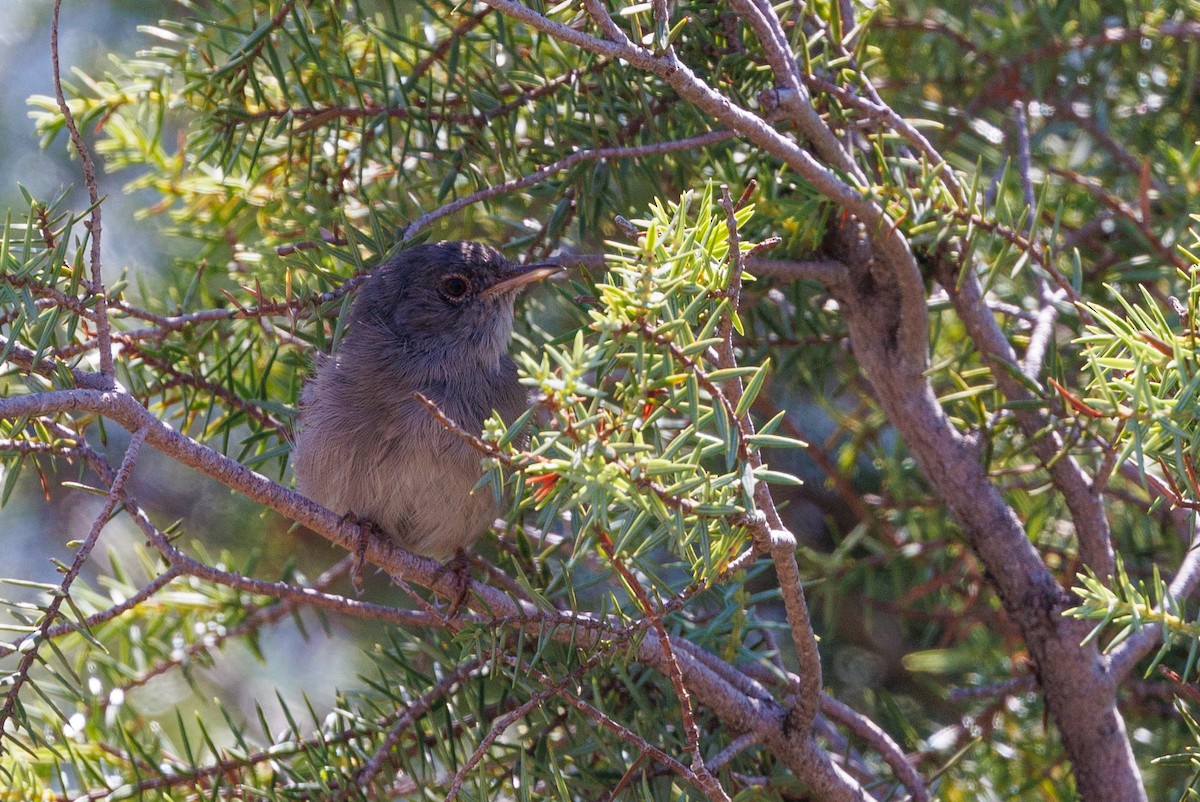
x=1079, y=687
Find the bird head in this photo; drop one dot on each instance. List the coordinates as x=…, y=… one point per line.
x=444, y=301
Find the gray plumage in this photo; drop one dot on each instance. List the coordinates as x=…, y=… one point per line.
x=435, y=319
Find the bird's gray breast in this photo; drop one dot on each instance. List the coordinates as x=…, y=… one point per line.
x=368, y=447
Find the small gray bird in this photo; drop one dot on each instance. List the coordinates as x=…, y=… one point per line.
x=436, y=320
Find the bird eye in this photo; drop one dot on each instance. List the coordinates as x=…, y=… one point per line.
x=455, y=287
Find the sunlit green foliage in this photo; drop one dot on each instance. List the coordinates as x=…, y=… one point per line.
x=639, y=440
x=292, y=145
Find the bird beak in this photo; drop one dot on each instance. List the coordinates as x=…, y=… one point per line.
x=519, y=277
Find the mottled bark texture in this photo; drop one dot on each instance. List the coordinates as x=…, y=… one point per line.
x=1076, y=681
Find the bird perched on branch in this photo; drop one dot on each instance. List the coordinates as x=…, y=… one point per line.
x=434, y=320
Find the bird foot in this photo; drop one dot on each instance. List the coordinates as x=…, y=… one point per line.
x=365, y=527
x=459, y=568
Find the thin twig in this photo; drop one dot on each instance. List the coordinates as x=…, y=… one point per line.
x=606, y=721
x=1043, y=330
x=704, y=778
x=880, y=741
x=250, y=409
x=1084, y=503
x=1132, y=649
x=763, y=20
x=31, y=643
x=736, y=746
x=412, y=711
x=1025, y=166
x=263, y=616
x=103, y=326
x=1008, y=687
x=766, y=526
x=559, y=688
x=543, y=173
x=1127, y=212
x=125, y=605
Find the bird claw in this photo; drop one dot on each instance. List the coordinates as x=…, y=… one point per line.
x=459, y=566
x=365, y=525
